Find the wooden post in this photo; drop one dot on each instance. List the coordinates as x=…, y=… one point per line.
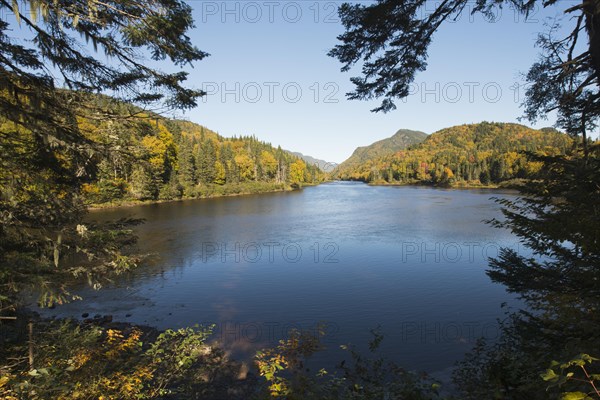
x=30, y=327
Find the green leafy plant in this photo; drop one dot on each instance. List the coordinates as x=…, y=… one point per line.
x=63, y=360
x=576, y=375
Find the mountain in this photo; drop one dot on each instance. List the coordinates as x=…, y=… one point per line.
x=399, y=141
x=473, y=154
x=323, y=165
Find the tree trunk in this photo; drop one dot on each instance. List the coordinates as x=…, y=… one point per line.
x=30, y=332
x=592, y=25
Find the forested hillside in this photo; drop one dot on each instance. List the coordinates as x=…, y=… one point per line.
x=474, y=154
x=402, y=139
x=163, y=159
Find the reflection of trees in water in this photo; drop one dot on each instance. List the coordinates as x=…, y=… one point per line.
x=558, y=219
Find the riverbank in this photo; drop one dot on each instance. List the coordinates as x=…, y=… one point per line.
x=511, y=184
x=208, y=192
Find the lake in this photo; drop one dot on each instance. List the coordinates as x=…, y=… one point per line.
x=409, y=259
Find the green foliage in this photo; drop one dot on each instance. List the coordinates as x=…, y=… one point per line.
x=115, y=32
x=390, y=39
x=38, y=261
x=574, y=374
x=142, y=185
x=206, y=159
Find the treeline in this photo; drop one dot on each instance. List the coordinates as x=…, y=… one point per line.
x=475, y=154
x=162, y=159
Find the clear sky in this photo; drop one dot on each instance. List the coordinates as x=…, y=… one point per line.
x=268, y=75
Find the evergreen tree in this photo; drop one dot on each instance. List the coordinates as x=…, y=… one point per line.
x=391, y=39
x=206, y=158
x=143, y=185
x=187, y=168
x=484, y=177
x=47, y=154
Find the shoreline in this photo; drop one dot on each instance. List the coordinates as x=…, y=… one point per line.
x=416, y=184
x=133, y=203
x=458, y=187
x=288, y=188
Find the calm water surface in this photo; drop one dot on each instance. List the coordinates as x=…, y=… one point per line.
x=409, y=259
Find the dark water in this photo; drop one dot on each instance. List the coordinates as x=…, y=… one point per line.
x=409, y=259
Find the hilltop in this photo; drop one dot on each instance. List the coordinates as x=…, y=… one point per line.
x=402, y=139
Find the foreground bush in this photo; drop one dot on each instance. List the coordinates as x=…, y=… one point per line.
x=64, y=360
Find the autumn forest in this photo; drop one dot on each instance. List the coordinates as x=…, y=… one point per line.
x=458, y=263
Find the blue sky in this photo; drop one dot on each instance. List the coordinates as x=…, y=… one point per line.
x=268, y=75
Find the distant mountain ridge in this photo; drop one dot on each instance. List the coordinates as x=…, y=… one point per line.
x=401, y=140
x=323, y=165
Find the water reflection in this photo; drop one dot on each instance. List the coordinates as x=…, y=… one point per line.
x=411, y=259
